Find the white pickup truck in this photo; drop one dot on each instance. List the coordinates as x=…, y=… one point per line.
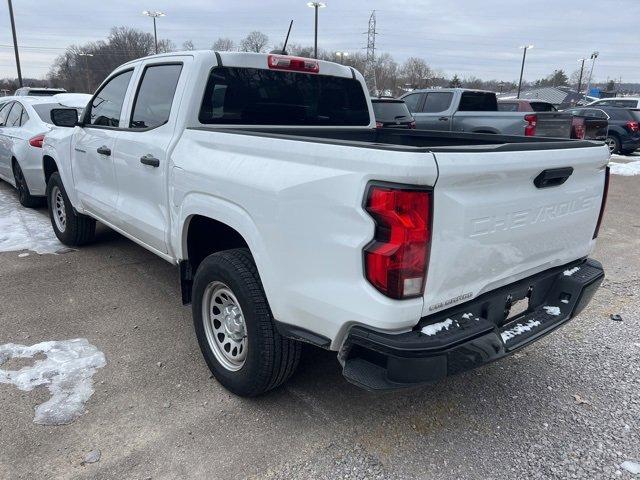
x=413, y=254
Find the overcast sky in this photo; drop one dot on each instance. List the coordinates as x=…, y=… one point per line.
x=467, y=37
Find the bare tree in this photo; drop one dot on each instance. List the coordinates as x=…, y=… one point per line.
x=188, y=45
x=416, y=73
x=223, y=45
x=83, y=68
x=386, y=71
x=254, y=42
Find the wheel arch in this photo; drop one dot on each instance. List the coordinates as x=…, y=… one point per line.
x=209, y=225
x=49, y=166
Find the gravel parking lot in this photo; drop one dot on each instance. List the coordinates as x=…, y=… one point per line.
x=567, y=407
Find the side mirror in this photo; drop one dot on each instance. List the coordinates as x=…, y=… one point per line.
x=64, y=117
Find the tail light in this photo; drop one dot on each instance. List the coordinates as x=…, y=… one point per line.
x=532, y=121
x=633, y=126
x=579, y=130
x=396, y=259
x=412, y=124
x=605, y=193
x=294, y=64
x=379, y=124
x=37, y=141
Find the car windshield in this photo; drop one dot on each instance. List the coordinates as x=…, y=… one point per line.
x=44, y=111
x=390, y=111
x=253, y=96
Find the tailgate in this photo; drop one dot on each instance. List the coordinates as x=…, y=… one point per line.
x=493, y=226
x=553, y=124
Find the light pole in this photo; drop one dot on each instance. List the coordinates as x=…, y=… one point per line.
x=593, y=57
x=15, y=42
x=316, y=6
x=86, y=68
x=341, y=56
x=524, y=57
x=153, y=14
x=581, y=70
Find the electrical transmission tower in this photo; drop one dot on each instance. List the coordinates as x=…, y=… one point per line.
x=370, y=66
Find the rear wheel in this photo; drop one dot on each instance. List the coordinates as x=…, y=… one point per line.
x=613, y=143
x=72, y=228
x=235, y=327
x=24, y=196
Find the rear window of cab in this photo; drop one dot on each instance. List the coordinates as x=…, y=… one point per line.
x=253, y=96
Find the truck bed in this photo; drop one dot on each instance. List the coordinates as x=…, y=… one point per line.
x=412, y=140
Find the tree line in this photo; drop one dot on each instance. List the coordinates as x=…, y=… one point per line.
x=81, y=68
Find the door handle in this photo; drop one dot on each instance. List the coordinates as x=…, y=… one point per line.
x=150, y=160
x=444, y=119
x=104, y=150
x=553, y=177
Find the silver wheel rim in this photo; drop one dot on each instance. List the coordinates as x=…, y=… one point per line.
x=224, y=326
x=611, y=143
x=59, y=212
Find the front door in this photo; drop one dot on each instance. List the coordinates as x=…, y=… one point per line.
x=95, y=142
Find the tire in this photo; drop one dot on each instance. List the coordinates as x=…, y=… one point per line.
x=263, y=359
x=24, y=196
x=72, y=228
x=613, y=143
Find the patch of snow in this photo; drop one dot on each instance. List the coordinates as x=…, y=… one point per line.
x=564, y=300
x=631, y=467
x=571, y=271
x=555, y=311
x=518, y=329
x=436, y=327
x=24, y=228
x=625, y=169
x=67, y=371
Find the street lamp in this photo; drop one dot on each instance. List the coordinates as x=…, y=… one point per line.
x=316, y=6
x=524, y=56
x=593, y=57
x=341, y=56
x=582, y=60
x=153, y=14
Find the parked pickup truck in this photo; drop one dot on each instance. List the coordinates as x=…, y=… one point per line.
x=463, y=110
x=412, y=254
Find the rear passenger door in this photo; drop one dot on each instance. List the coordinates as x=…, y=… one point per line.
x=435, y=113
x=141, y=158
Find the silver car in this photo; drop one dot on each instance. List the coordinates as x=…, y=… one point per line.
x=24, y=121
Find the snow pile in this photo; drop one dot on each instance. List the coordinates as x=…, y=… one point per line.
x=631, y=467
x=518, y=329
x=67, y=371
x=436, y=327
x=571, y=271
x=24, y=228
x=626, y=169
x=555, y=311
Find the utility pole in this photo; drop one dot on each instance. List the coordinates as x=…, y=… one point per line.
x=154, y=15
x=581, y=70
x=524, y=57
x=86, y=68
x=370, y=65
x=15, y=42
x=593, y=57
x=316, y=6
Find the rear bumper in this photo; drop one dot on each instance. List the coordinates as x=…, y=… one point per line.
x=631, y=143
x=472, y=334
